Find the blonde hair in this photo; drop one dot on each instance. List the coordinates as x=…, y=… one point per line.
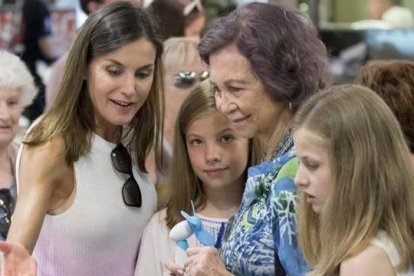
x=183, y=182
x=373, y=179
x=71, y=115
x=14, y=74
x=180, y=51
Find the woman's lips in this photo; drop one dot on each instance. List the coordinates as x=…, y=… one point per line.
x=239, y=120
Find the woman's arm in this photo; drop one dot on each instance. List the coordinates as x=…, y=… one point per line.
x=42, y=169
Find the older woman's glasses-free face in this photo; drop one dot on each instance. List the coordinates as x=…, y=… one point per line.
x=131, y=193
x=187, y=79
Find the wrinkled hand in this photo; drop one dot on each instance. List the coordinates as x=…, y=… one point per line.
x=175, y=269
x=204, y=261
x=16, y=260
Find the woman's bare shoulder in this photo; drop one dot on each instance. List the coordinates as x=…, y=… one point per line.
x=45, y=162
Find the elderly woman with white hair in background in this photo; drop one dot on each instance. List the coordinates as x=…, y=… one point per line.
x=17, y=91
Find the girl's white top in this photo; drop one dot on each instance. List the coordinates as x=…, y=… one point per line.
x=383, y=241
x=156, y=247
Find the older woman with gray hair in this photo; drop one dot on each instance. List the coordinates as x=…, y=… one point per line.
x=264, y=62
x=17, y=91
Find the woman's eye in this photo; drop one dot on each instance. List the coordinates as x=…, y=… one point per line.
x=143, y=74
x=12, y=102
x=233, y=89
x=114, y=71
x=226, y=139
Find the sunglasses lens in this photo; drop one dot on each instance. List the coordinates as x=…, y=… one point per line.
x=122, y=163
x=4, y=224
x=204, y=75
x=185, y=79
x=6, y=206
x=121, y=159
x=131, y=193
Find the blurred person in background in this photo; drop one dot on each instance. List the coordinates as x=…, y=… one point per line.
x=183, y=69
x=393, y=81
x=36, y=33
x=391, y=13
x=17, y=90
x=176, y=18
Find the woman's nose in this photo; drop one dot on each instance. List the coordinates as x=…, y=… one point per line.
x=225, y=104
x=129, y=85
x=4, y=112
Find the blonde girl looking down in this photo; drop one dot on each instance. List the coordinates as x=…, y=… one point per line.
x=356, y=184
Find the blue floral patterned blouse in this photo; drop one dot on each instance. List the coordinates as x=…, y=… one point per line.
x=265, y=224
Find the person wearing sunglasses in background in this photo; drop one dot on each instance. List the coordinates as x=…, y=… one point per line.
x=394, y=82
x=183, y=70
x=17, y=90
x=176, y=18
x=83, y=200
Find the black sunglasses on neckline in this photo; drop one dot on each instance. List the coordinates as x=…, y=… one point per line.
x=6, y=210
x=131, y=193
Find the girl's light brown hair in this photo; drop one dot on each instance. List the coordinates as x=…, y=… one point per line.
x=183, y=182
x=72, y=114
x=373, y=182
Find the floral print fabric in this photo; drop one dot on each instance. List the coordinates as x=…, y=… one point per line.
x=265, y=224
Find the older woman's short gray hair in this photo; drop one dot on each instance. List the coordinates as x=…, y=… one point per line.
x=14, y=74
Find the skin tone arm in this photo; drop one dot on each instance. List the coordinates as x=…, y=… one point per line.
x=45, y=176
x=373, y=261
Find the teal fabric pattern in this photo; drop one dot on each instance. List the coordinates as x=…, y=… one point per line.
x=265, y=223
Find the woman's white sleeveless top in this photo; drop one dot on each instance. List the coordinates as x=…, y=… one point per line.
x=98, y=234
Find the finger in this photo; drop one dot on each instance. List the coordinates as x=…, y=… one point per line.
x=207, y=250
x=174, y=268
x=196, y=250
x=5, y=247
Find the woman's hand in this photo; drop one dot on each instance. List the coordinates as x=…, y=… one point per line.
x=174, y=269
x=16, y=260
x=203, y=261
